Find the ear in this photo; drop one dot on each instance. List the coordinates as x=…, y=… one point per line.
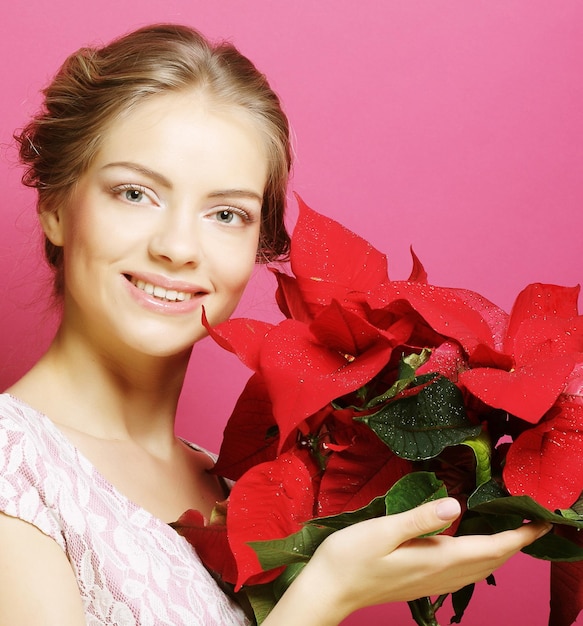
x=52, y=225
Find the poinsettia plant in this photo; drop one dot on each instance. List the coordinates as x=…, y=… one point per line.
x=372, y=396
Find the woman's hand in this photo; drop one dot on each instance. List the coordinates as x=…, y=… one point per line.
x=385, y=560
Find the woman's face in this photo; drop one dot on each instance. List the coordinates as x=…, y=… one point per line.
x=165, y=220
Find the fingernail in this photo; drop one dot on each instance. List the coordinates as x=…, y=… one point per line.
x=447, y=509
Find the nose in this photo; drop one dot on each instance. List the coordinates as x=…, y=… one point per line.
x=177, y=240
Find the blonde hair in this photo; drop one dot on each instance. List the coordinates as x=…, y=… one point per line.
x=95, y=86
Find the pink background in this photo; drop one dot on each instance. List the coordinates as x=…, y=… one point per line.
x=451, y=125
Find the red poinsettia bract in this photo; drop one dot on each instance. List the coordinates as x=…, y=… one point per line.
x=545, y=461
x=270, y=501
x=544, y=339
x=328, y=263
x=297, y=455
x=209, y=538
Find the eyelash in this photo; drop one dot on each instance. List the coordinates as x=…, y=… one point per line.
x=248, y=218
x=239, y=211
x=119, y=189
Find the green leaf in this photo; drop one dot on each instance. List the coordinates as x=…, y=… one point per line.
x=419, y=427
x=482, y=448
x=412, y=490
x=505, y=512
x=475, y=524
x=413, y=362
x=423, y=612
x=488, y=491
x=407, y=367
x=551, y=547
x=262, y=599
x=576, y=510
x=460, y=600
x=375, y=508
x=578, y=506
x=295, y=548
x=571, y=514
x=483, y=500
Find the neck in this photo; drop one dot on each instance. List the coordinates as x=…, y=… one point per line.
x=109, y=396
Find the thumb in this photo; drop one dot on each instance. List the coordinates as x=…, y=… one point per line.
x=429, y=517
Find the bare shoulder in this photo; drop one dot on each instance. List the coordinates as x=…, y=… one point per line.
x=37, y=584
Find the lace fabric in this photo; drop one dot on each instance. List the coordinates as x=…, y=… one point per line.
x=131, y=567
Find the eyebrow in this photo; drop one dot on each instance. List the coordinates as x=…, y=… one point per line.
x=136, y=167
x=237, y=193
x=162, y=180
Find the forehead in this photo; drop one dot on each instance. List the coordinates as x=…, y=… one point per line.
x=186, y=132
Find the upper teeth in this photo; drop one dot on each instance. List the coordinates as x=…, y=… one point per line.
x=159, y=292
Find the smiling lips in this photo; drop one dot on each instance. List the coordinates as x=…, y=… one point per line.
x=167, y=295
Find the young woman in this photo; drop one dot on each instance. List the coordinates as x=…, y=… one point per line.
x=161, y=166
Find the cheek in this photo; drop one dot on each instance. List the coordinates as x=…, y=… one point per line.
x=232, y=274
x=236, y=263
x=81, y=231
x=237, y=275
x=85, y=245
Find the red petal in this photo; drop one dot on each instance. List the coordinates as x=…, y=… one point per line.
x=543, y=337
x=574, y=385
x=418, y=333
x=247, y=441
x=348, y=333
x=528, y=392
x=484, y=356
x=364, y=470
x=447, y=360
x=269, y=502
x=555, y=306
x=331, y=261
x=303, y=376
x=550, y=302
x=241, y=336
x=418, y=273
x=545, y=462
x=495, y=317
x=210, y=543
x=442, y=309
x=290, y=299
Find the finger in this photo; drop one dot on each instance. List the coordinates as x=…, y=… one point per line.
x=422, y=520
x=493, y=550
x=515, y=540
x=430, y=517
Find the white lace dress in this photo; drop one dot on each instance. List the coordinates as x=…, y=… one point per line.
x=131, y=567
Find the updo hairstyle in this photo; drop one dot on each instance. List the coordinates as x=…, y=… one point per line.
x=96, y=86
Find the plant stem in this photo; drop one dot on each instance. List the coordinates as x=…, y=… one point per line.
x=423, y=611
